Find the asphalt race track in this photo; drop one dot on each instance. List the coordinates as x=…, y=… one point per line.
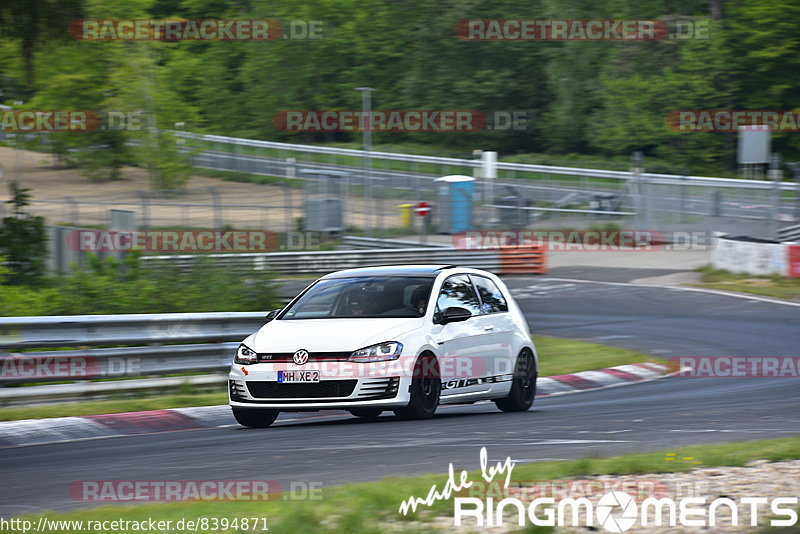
x=338, y=448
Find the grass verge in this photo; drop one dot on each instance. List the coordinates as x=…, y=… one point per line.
x=556, y=357
x=770, y=286
x=373, y=507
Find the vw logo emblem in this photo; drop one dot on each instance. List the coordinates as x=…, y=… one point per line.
x=300, y=357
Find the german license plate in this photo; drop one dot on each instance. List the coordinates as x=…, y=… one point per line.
x=287, y=377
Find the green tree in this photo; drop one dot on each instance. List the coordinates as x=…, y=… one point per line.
x=763, y=38
x=23, y=241
x=29, y=22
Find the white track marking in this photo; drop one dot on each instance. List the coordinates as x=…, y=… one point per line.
x=682, y=288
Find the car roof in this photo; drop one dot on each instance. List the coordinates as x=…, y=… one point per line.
x=424, y=271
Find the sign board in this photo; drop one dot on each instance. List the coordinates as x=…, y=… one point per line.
x=422, y=209
x=753, y=145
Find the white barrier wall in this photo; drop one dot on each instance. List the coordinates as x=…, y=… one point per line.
x=761, y=259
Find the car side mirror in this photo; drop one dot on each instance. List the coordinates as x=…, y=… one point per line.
x=272, y=314
x=455, y=314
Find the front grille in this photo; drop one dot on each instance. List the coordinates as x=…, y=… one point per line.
x=383, y=388
x=326, y=388
x=284, y=357
x=236, y=389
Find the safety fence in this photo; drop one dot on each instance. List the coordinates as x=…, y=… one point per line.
x=285, y=186
x=506, y=260
x=134, y=345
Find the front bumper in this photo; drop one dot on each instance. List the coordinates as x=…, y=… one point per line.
x=256, y=386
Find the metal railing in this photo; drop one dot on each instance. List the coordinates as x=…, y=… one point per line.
x=506, y=195
x=563, y=197
x=368, y=243
x=656, y=178
x=96, y=330
x=156, y=345
x=789, y=233
x=322, y=262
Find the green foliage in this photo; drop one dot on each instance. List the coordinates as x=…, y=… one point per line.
x=23, y=241
x=169, y=168
x=30, y=22
x=110, y=286
x=132, y=79
x=18, y=300
x=588, y=98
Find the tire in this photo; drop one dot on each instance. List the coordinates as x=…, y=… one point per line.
x=366, y=413
x=523, y=385
x=426, y=386
x=254, y=417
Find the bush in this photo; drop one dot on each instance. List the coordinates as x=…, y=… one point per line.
x=110, y=286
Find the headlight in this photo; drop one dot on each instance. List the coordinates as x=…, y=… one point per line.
x=378, y=353
x=245, y=354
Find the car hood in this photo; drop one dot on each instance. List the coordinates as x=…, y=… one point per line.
x=330, y=335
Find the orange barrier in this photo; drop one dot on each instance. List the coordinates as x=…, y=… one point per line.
x=523, y=259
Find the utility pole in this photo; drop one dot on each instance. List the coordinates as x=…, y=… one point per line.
x=776, y=175
x=366, y=125
x=642, y=192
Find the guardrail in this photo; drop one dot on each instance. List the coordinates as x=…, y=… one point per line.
x=654, y=178
x=789, y=233
x=323, y=262
x=370, y=243
x=165, y=344
x=95, y=330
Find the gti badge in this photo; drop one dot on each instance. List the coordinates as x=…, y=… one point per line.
x=300, y=357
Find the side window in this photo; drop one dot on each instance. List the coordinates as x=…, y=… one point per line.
x=491, y=296
x=457, y=291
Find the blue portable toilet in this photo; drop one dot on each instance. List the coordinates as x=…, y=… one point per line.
x=454, y=205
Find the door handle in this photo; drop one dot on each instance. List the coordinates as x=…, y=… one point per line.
x=439, y=341
x=488, y=328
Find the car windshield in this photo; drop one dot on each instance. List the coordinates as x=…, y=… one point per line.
x=396, y=296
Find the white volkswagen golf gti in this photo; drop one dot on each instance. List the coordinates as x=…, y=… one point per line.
x=402, y=338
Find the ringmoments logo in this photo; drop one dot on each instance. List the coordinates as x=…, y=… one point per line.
x=614, y=511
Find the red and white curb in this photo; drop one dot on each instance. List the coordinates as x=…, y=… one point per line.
x=63, y=429
x=600, y=378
